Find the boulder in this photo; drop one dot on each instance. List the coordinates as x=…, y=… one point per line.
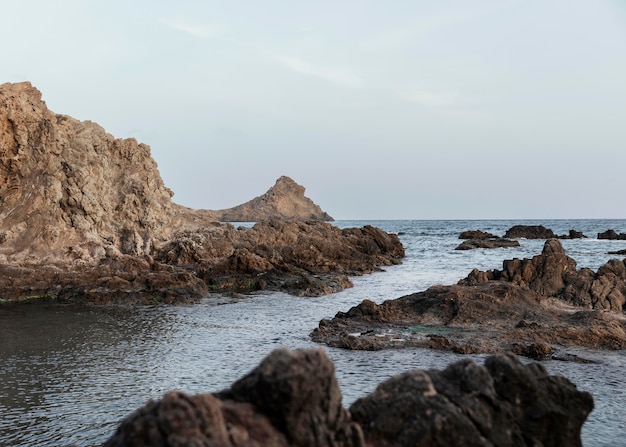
x=476, y=234
x=529, y=232
x=293, y=399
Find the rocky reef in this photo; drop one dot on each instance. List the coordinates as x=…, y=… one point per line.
x=532, y=307
x=86, y=216
x=293, y=399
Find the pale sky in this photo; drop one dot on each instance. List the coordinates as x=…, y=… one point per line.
x=380, y=109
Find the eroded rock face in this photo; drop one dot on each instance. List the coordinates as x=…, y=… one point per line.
x=532, y=307
x=285, y=200
x=292, y=398
x=84, y=215
x=63, y=181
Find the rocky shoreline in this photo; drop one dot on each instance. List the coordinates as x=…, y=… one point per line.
x=532, y=307
x=86, y=217
x=293, y=399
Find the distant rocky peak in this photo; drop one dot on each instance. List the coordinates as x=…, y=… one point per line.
x=284, y=200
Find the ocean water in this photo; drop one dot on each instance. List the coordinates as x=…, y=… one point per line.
x=69, y=374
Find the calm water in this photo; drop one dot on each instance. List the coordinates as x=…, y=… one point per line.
x=68, y=374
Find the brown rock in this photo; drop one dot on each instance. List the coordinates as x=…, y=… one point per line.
x=476, y=234
x=500, y=242
x=83, y=214
x=529, y=232
x=285, y=200
x=292, y=398
x=528, y=307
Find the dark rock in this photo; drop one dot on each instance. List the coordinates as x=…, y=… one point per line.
x=293, y=399
x=471, y=244
x=573, y=234
x=528, y=307
x=529, y=232
x=617, y=252
x=612, y=235
x=476, y=234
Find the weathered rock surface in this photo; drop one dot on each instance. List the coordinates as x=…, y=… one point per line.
x=498, y=242
x=293, y=399
x=532, y=307
x=284, y=200
x=86, y=216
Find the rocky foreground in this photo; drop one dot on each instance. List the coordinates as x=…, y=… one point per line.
x=86, y=217
x=532, y=307
x=293, y=399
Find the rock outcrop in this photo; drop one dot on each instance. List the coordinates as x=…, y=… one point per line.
x=86, y=216
x=612, y=235
x=533, y=307
x=285, y=200
x=293, y=399
x=529, y=232
x=476, y=234
x=496, y=242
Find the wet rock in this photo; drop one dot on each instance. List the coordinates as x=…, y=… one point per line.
x=529, y=232
x=612, y=235
x=573, y=234
x=529, y=307
x=476, y=234
x=292, y=398
x=617, y=252
x=471, y=244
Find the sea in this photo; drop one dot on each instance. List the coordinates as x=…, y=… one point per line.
x=69, y=374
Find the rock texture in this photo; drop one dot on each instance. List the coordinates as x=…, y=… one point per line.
x=284, y=200
x=533, y=307
x=293, y=399
x=86, y=216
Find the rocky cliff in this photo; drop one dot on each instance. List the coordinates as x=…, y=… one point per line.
x=285, y=200
x=293, y=399
x=84, y=215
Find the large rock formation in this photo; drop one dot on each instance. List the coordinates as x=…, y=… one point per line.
x=284, y=200
x=86, y=216
x=293, y=399
x=532, y=307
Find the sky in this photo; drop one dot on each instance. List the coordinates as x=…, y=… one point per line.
x=482, y=109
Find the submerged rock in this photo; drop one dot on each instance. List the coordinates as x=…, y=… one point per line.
x=293, y=399
x=533, y=307
x=85, y=216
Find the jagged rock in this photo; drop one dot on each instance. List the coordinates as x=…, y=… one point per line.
x=81, y=211
x=528, y=307
x=529, y=232
x=612, y=235
x=500, y=242
x=284, y=200
x=292, y=398
x=476, y=234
